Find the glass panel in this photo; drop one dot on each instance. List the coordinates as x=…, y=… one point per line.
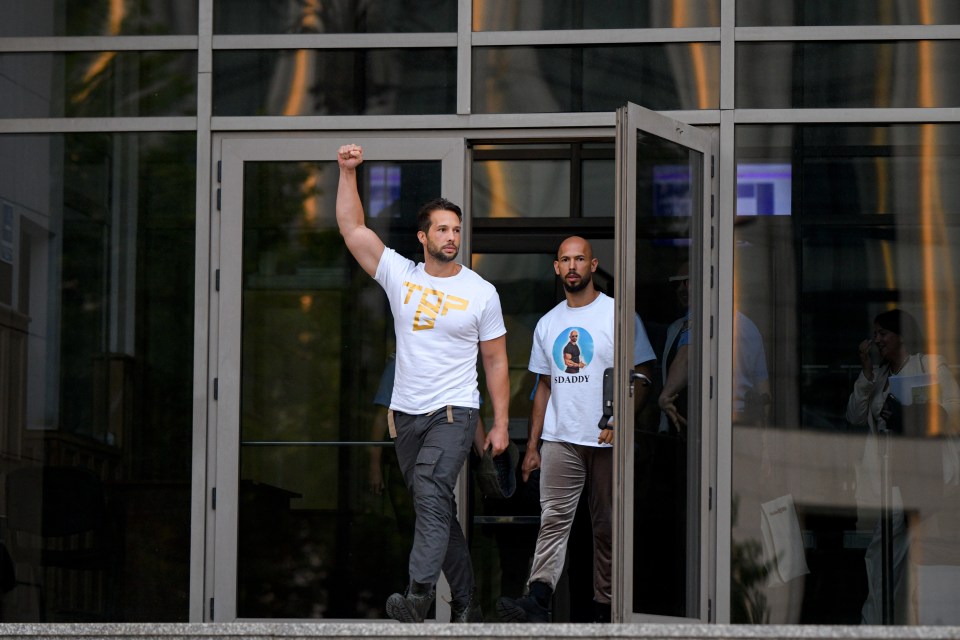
x=762, y=13
x=300, y=16
x=666, y=540
x=93, y=84
x=521, y=188
x=846, y=74
x=69, y=18
x=598, y=195
x=317, y=335
x=548, y=180
x=96, y=386
x=859, y=221
x=535, y=15
x=503, y=533
x=570, y=79
x=342, y=82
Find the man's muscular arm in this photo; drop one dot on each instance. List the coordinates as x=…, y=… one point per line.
x=361, y=241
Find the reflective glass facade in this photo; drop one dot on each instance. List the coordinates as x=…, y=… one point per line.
x=806, y=497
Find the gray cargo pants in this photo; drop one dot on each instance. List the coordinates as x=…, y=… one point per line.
x=431, y=451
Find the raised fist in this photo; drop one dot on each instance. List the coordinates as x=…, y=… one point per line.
x=349, y=156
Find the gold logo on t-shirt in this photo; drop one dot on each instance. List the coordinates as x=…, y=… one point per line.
x=432, y=304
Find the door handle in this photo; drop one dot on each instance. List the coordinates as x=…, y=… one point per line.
x=608, y=393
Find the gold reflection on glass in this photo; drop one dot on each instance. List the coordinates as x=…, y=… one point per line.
x=499, y=200
x=93, y=76
x=309, y=191
x=302, y=62
x=937, y=274
x=306, y=302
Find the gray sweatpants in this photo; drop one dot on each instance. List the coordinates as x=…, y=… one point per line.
x=564, y=470
x=431, y=451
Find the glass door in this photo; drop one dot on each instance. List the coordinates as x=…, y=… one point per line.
x=662, y=517
x=310, y=518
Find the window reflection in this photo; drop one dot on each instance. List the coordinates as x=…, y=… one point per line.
x=763, y=13
x=96, y=300
x=323, y=506
x=334, y=16
x=99, y=84
x=781, y=75
x=868, y=232
x=68, y=18
x=341, y=82
x=551, y=79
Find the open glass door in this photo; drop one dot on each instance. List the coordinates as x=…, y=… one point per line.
x=311, y=520
x=663, y=468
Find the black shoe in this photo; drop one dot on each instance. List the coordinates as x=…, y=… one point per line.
x=466, y=609
x=533, y=607
x=412, y=606
x=601, y=611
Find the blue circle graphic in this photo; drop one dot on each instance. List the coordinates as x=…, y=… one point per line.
x=584, y=341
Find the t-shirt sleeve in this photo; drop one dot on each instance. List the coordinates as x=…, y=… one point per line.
x=385, y=389
x=539, y=357
x=491, y=320
x=684, y=336
x=386, y=268
x=642, y=350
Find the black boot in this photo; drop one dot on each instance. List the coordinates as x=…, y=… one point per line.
x=601, y=611
x=413, y=605
x=533, y=607
x=466, y=609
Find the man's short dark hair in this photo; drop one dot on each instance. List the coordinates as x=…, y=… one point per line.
x=437, y=204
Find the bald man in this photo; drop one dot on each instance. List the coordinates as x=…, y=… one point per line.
x=572, y=345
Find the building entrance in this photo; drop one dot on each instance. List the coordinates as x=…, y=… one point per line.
x=311, y=519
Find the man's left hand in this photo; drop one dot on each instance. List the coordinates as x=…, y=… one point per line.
x=605, y=437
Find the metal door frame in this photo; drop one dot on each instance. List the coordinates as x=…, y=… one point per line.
x=631, y=121
x=231, y=150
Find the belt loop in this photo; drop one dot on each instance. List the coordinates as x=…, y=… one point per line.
x=450, y=413
x=391, y=425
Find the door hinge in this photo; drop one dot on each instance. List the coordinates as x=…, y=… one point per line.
x=217, y=283
x=711, y=327
x=218, y=198
x=211, y=609
x=711, y=276
x=220, y=170
x=711, y=228
x=711, y=387
x=709, y=610
x=709, y=498
x=712, y=160
x=213, y=498
x=711, y=208
x=216, y=388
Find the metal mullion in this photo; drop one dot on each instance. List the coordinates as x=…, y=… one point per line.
x=99, y=43
x=847, y=33
x=336, y=41
x=595, y=36
x=852, y=115
x=464, y=56
x=93, y=125
x=728, y=60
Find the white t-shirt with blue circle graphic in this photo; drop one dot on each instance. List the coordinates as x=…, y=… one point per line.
x=573, y=345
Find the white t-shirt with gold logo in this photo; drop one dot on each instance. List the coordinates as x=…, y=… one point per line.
x=439, y=324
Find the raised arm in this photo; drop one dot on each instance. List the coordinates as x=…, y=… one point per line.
x=494, y=356
x=361, y=241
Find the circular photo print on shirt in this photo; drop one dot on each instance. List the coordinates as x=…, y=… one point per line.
x=573, y=350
